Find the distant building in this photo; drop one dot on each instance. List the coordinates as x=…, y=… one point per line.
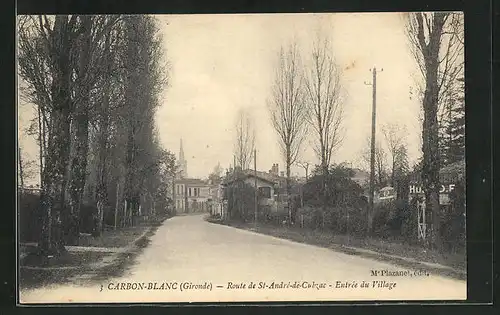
x=216, y=198
x=267, y=184
x=270, y=185
x=190, y=194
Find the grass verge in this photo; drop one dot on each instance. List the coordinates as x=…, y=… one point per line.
x=396, y=253
x=57, y=271
x=80, y=266
x=117, y=238
x=123, y=261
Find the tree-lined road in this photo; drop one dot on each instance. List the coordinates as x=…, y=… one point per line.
x=187, y=252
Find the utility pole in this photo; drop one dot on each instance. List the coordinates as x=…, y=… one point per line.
x=174, y=199
x=117, y=203
x=186, y=207
x=255, y=178
x=372, y=155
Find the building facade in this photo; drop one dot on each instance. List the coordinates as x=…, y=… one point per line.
x=190, y=195
x=268, y=187
x=216, y=199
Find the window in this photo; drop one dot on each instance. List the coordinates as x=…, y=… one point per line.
x=265, y=192
x=189, y=191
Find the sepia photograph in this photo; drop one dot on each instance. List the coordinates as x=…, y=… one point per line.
x=211, y=158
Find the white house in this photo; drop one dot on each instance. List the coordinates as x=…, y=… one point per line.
x=216, y=199
x=191, y=195
x=267, y=185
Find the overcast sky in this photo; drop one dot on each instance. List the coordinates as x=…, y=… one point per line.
x=220, y=63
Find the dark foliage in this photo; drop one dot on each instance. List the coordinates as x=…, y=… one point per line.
x=29, y=223
x=453, y=223
x=241, y=201
x=340, y=188
x=346, y=207
x=395, y=220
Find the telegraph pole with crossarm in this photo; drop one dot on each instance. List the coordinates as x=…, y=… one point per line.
x=372, y=153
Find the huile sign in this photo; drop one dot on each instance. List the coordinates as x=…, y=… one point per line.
x=444, y=191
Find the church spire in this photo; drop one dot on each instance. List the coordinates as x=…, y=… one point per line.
x=182, y=162
x=181, y=153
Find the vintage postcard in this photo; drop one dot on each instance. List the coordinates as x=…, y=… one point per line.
x=241, y=158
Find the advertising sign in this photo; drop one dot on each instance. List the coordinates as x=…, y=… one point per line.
x=444, y=191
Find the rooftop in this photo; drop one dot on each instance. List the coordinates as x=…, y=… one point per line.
x=260, y=175
x=191, y=181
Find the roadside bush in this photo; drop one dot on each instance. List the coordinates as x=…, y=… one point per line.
x=383, y=214
x=453, y=221
x=390, y=219
x=241, y=201
x=409, y=223
x=341, y=220
x=340, y=189
x=277, y=218
x=307, y=217
x=29, y=223
x=351, y=220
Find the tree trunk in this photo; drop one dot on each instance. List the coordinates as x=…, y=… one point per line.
x=101, y=191
x=393, y=168
x=131, y=95
x=289, y=203
x=430, y=134
x=325, y=186
x=41, y=139
x=81, y=121
x=55, y=176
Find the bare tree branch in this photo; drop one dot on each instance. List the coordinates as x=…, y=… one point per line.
x=324, y=101
x=245, y=139
x=395, y=137
x=287, y=107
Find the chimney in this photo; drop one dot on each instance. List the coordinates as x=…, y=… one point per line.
x=276, y=172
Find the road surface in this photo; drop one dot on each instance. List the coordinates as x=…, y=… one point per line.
x=191, y=260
